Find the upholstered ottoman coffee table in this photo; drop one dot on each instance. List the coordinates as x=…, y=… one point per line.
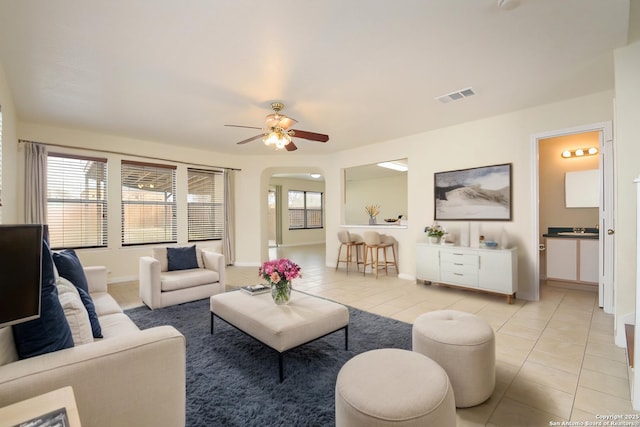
x=393, y=387
x=464, y=345
x=282, y=327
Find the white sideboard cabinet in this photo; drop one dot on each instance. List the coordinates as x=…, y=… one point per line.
x=487, y=270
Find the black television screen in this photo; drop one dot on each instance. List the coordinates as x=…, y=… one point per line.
x=20, y=273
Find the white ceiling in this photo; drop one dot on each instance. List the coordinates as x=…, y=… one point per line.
x=362, y=71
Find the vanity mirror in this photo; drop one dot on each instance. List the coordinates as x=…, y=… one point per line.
x=373, y=184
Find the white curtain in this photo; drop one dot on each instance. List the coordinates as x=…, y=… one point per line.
x=229, y=214
x=279, y=209
x=35, y=197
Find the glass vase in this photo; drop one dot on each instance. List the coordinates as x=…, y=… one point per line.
x=281, y=292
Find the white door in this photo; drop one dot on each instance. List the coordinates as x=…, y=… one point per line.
x=607, y=226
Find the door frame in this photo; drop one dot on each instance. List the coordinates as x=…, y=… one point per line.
x=606, y=139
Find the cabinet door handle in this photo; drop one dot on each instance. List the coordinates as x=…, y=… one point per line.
x=458, y=274
x=457, y=254
x=457, y=263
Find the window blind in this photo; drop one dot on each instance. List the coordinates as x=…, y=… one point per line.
x=148, y=203
x=205, y=204
x=76, y=201
x=305, y=209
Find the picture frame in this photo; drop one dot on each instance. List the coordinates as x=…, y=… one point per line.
x=475, y=194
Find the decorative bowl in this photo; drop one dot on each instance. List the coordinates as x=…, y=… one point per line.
x=491, y=244
x=391, y=220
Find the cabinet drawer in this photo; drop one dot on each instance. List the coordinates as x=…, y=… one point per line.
x=460, y=278
x=458, y=267
x=459, y=258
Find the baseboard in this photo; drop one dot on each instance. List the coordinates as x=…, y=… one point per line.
x=619, y=333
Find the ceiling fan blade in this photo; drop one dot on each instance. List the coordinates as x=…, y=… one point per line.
x=291, y=146
x=253, y=138
x=312, y=136
x=240, y=126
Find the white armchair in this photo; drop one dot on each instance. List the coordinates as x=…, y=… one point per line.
x=160, y=287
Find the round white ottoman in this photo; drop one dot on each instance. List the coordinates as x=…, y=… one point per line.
x=464, y=345
x=393, y=387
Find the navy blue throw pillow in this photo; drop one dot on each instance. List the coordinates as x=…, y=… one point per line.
x=70, y=268
x=182, y=258
x=91, y=310
x=50, y=332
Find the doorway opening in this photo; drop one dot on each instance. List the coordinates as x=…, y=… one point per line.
x=550, y=169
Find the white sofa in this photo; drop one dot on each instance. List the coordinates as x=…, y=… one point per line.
x=128, y=378
x=160, y=287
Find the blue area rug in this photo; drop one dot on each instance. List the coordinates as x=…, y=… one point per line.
x=232, y=379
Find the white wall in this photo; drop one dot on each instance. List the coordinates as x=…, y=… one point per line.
x=390, y=193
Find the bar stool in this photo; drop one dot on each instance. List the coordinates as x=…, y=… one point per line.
x=350, y=241
x=373, y=241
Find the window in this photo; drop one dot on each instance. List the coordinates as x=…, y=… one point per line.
x=76, y=201
x=205, y=204
x=305, y=209
x=148, y=203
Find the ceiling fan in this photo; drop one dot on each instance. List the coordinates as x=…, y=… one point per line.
x=276, y=130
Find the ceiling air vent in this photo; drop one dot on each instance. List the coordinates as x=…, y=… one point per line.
x=454, y=96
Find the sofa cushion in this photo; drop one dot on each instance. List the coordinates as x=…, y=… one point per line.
x=69, y=266
x=74, y=311
x=117, y=324
x=182, y=258
x=105, y=304
x=174, y=280
x=50, y=332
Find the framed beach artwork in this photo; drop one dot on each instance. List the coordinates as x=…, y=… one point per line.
x=482, y=194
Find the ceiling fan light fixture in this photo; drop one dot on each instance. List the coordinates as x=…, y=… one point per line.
x=271, y=138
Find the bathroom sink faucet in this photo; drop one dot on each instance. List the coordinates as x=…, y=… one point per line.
x=578, y=229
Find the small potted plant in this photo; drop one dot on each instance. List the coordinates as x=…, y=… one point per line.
x=435, y=232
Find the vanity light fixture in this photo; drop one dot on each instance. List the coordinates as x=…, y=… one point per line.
x=579, y=152
x=395, y=166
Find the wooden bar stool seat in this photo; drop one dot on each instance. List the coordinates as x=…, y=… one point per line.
x=351, y=242
x=373, y=243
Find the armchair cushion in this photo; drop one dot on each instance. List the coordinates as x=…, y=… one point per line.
x=182, y=258
x=174, y=280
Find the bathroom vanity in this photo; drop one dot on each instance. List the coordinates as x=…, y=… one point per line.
x=573, y=256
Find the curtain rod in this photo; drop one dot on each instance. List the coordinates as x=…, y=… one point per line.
x=127, y=154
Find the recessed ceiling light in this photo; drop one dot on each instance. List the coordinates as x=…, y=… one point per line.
x=315, y=175
x=394, y=166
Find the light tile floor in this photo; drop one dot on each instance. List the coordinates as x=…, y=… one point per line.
x=555, y=359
